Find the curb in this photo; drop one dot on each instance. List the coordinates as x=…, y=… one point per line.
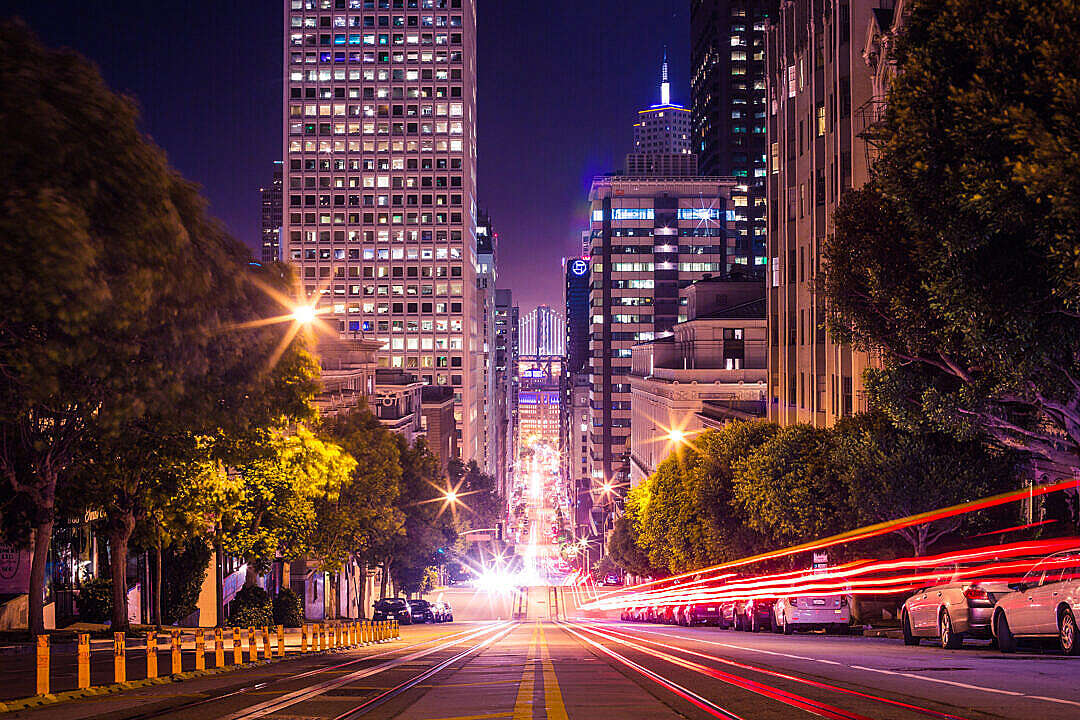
x=37, y=701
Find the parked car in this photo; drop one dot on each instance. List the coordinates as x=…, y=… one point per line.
x=1044, y=604
x=651, y=614
x=422, y=612
x=666, y=615
x=811, y=612
x=754, y=615
x=393, y=609
x=442, y=611
x=951, y=610
x=700, y=614
x=727, y=614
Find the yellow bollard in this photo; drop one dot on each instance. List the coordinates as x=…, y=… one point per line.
x=83, y=655
x=237, y=647
x=219, y=648
x=320, y=629
x=151, y=655
x=177, y=657
x=365, y=632
x=303, y=638
x=266, y=643
x=253, y=645
x=42, y=664
x=200, y=650
x=281, y=641
x=382, y=631
x=119, y=658
x=352, y=634
x=337, y=635
x=397, y=629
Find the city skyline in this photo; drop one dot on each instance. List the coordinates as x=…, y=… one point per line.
x=524, y=72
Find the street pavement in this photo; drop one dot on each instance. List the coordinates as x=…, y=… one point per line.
x=525, y=653
x=540, y=667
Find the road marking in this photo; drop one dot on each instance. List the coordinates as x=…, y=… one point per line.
x=298, y=696
x=485, y=716
x=881, y=671
x=523, y=706
x=553, y=699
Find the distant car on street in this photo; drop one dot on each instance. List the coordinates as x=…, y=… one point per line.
x=442, y=611
x=611, y=580
x=696, y=614
x=422, y=611
x=1044, y=604
x=951, y=610
x=393, y=609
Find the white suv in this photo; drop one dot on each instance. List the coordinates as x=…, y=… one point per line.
x=1045, y=603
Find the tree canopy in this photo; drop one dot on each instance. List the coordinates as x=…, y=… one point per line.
x=960, y=258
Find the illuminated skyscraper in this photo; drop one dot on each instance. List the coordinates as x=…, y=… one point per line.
x=727, y=62
x=543, y=332
x=380, y=177
x=662, y=137
x=270, y=217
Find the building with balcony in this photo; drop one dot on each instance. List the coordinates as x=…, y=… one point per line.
x=711, y=370
x=397, y=402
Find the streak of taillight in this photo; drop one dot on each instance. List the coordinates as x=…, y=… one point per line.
x=873, y=530
x=785, y=676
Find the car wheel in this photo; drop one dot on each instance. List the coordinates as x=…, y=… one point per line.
x=909, y=637
x=949, y=640
x=1005, y=638
x=1067, y=633
x=787, y=628
x=778, y=625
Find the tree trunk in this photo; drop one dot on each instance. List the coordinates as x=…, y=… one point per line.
x=219, y=582
x=119, y=533
x=382, y=580
x=36, y=599
x=362, y=595
x=157, y=585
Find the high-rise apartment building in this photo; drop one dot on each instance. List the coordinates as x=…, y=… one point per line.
x=821, y=91
x=380, y=182
x=729, y=113
x=574, y=403
x=650, y=237
x=577, y=314
x=542, y=332
x=270, y=217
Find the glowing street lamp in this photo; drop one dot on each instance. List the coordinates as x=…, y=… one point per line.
x=677, y=436
x=304, y=314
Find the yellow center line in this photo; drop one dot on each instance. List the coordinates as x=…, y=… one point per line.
x=486, y=716
x=553, y=699
x=523, y=707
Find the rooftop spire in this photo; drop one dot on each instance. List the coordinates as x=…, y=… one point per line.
x=665, y=86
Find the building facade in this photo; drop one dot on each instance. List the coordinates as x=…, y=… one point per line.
x=437, y=424
x=542, y=332
x=506, y=387
x=651, y=237
x=662, y=138
x=727, y=61
x=380, y=182
x=486, y=253
x=540, y=378
x=819, y=89
x=710, y=371
x=270, y=216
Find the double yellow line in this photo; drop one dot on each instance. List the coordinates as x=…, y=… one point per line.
x=555, y=708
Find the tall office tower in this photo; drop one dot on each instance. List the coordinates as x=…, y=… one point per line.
x=574, y=402
x=505, y=362
x=586, y=242
x=380, y=166
x=542, y=332
x=821, y=94
x=727, y=60
x=650, y=237
x=270, y=217
x=577, y=314
x=486, y=253
x=662, y=138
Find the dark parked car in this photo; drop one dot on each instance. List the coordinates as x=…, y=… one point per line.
x=422, y=611
x=700, y=614
x=754, y=615
x=393, y=609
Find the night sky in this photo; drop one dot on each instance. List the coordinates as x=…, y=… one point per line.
x=560, y=83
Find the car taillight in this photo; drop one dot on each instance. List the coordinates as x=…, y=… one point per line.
x=974, y=592
x=793, y=601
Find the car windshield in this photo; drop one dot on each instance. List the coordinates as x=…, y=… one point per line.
x=388, y=604
x=420, y=604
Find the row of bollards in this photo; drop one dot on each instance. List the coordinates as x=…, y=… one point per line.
x=324, y=636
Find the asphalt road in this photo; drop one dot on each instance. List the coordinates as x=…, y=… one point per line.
x=542, y=667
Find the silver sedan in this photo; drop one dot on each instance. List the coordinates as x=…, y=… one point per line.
x=950, y=611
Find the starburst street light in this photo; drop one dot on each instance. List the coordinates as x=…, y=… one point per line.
x=677, y=436
x=304, y=314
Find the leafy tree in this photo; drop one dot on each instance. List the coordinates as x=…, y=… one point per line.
x=891, y=473
x=185, y=565
x=789, y=489
x=961, y=257
x=362, y=518
x=623, y=548
x=428, y=523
